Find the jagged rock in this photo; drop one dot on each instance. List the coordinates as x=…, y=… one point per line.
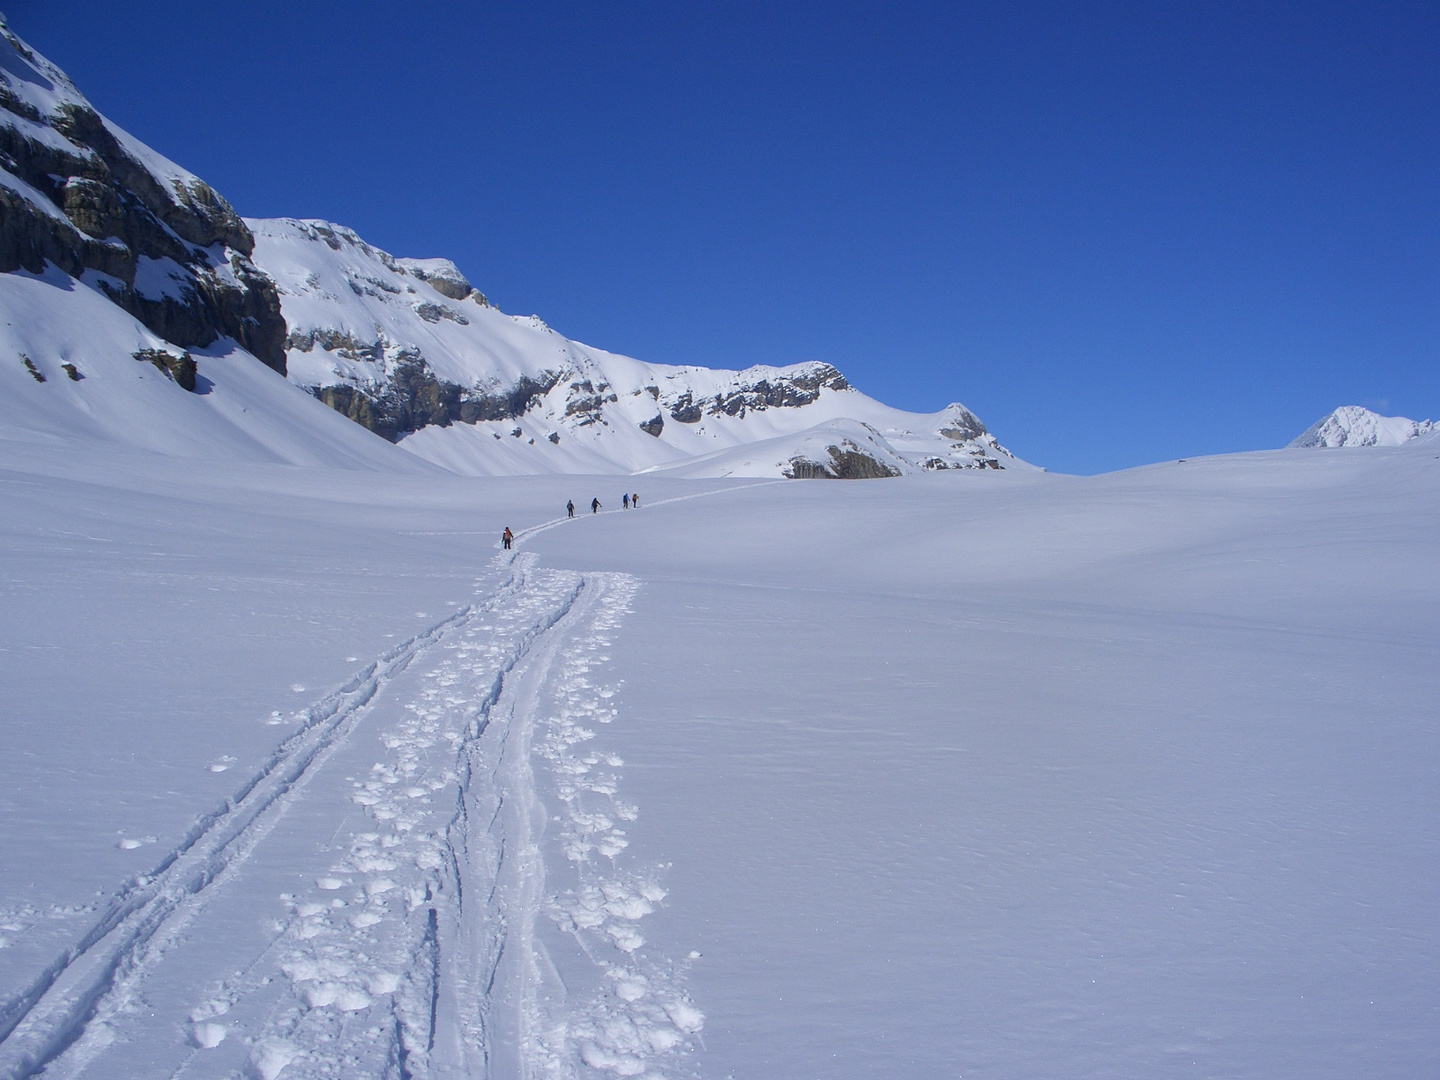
x=847, y=462
x=685, y=410
x=413, y=398
x=654, y=426
x=433, y=313
x=336, y=341
x=180, y=369
x=967, y=426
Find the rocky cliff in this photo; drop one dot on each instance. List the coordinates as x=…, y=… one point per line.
x=79, y=193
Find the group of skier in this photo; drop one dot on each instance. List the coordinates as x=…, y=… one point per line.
x=629, y=500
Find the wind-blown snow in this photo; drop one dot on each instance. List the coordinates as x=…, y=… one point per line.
x=1353, y=425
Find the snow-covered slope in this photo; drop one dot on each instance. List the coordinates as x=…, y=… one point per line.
x=1353, y=425
x=86, y=378
x=1010, y=775
x=409, y=349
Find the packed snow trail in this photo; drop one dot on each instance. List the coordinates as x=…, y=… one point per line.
x=393, y=841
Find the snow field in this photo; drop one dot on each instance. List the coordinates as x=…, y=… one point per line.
x=988, y=774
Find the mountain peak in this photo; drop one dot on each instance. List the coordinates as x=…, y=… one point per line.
x=1355, y=425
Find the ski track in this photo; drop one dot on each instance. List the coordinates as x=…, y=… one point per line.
x=553, y=523
x=420, y=948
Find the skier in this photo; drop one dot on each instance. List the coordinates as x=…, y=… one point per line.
x=507, y=538
x=570, y=507
x=626, y=500
x=594, y=506
x=635, y=501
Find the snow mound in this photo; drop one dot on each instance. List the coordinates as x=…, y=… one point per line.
x=1353, y=425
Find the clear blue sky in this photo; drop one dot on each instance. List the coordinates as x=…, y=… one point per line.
x=1119, y=232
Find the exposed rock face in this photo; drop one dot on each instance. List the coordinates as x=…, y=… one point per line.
x=181, y=369
x=413, y=398
x=78, y=193
x=775, y=392
x=966, y=425
x=847, y=462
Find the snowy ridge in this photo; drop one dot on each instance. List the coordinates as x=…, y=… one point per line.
x=1354, y=425
x=409, y=349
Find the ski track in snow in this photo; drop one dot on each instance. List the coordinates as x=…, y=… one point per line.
x=419, y=949
x=555, y=523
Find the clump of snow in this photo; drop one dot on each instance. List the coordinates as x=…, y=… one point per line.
x=1354, y=425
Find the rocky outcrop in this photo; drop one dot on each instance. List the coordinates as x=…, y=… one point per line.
x=847, y=462
x=180, y=369
x=775, y=392
x=412, y=398
x=964, y=427
x=166, y=248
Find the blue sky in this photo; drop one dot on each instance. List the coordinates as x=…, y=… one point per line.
x=1119, y=232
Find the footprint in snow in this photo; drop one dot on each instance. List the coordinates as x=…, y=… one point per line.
x=208, y=1035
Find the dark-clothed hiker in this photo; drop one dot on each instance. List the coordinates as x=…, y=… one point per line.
x=635, y=501
x=625, y=499
x=507, y=538
x=570, y=508
x=594, y=506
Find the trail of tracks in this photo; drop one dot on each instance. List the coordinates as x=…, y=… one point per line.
x=54, y=1011
x=402, y=833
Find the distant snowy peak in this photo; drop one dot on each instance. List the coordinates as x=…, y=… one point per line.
x=1352, y=425
x=409, y=349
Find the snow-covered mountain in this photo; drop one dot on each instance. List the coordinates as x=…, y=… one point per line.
x=1353, y=425
x=128, y=281
x=409, y=349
